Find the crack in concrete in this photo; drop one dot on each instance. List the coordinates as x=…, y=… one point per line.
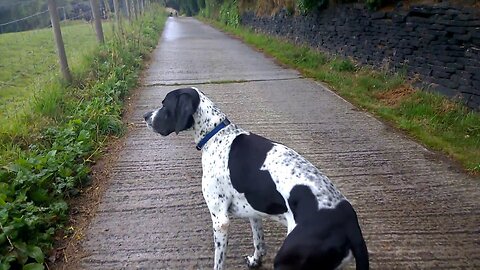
x=221, y=82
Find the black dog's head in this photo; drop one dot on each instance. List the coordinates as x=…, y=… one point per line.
x=176, y=114
x=307, y=248
x=324, y=241
x=316, y=242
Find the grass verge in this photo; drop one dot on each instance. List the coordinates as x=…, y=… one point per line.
x=42, y=168
x=435, y=121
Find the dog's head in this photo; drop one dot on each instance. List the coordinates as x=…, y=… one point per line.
x=176, y=114
x=323, y=240
x=308, y=248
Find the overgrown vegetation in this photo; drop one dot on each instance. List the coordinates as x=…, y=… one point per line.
x=215, y=9
x=229, y=14
x=435, y=121
x=212, y=8
x=41, y=170
x=305, y=6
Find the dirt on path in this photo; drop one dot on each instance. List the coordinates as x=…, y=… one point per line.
x=417, y=210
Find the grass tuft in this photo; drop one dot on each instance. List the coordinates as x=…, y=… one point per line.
x=342, y=65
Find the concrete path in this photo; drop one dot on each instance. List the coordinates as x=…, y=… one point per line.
x=416, y=210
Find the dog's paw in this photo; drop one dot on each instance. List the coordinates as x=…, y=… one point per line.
x=252, y=262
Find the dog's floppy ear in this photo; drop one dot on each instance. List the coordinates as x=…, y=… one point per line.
x=183, y=112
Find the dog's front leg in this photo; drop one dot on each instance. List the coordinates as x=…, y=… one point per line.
x=220, y=237
x=258, y=243
x=218, y=204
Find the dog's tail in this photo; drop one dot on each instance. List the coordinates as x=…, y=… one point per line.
x=359, y=247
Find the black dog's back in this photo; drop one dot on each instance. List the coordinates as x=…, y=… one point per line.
x=247, y=154
x=322, y=238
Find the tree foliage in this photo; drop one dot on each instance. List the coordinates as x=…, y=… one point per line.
x=189, y=7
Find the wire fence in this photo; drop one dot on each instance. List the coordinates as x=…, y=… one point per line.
x=14, y=26
x=41, y=19
x=29, y=61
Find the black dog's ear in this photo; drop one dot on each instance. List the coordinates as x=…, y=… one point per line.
x=183, y=112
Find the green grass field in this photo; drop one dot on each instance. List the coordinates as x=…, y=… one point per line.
x=30, y=81
x=29, y=64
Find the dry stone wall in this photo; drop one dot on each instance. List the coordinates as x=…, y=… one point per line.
x=440, y=43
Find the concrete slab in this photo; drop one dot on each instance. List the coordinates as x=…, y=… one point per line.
x=193, y=53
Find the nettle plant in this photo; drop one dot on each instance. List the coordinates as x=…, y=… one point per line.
x=32, y=192
x=229, y=13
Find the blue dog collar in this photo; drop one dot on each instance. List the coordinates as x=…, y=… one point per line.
x=212, y=133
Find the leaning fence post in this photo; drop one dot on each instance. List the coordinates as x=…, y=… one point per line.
x=57, y=33
x=98, y=20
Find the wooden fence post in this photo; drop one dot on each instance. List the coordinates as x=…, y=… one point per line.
x=116, y=8
x=57, y=33
x=97, y=20
x=107, y=10
x=135, y=7
x=127, y=8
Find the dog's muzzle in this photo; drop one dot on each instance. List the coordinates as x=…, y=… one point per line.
x=148, y=118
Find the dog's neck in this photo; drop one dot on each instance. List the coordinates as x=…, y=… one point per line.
x=206, y=118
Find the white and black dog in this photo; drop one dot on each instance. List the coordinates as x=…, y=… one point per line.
x=252, y=177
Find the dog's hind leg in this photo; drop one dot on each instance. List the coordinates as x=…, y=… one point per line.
x=258, y=243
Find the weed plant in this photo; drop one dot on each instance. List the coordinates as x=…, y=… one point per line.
x=229, y=14
x=45, y=165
